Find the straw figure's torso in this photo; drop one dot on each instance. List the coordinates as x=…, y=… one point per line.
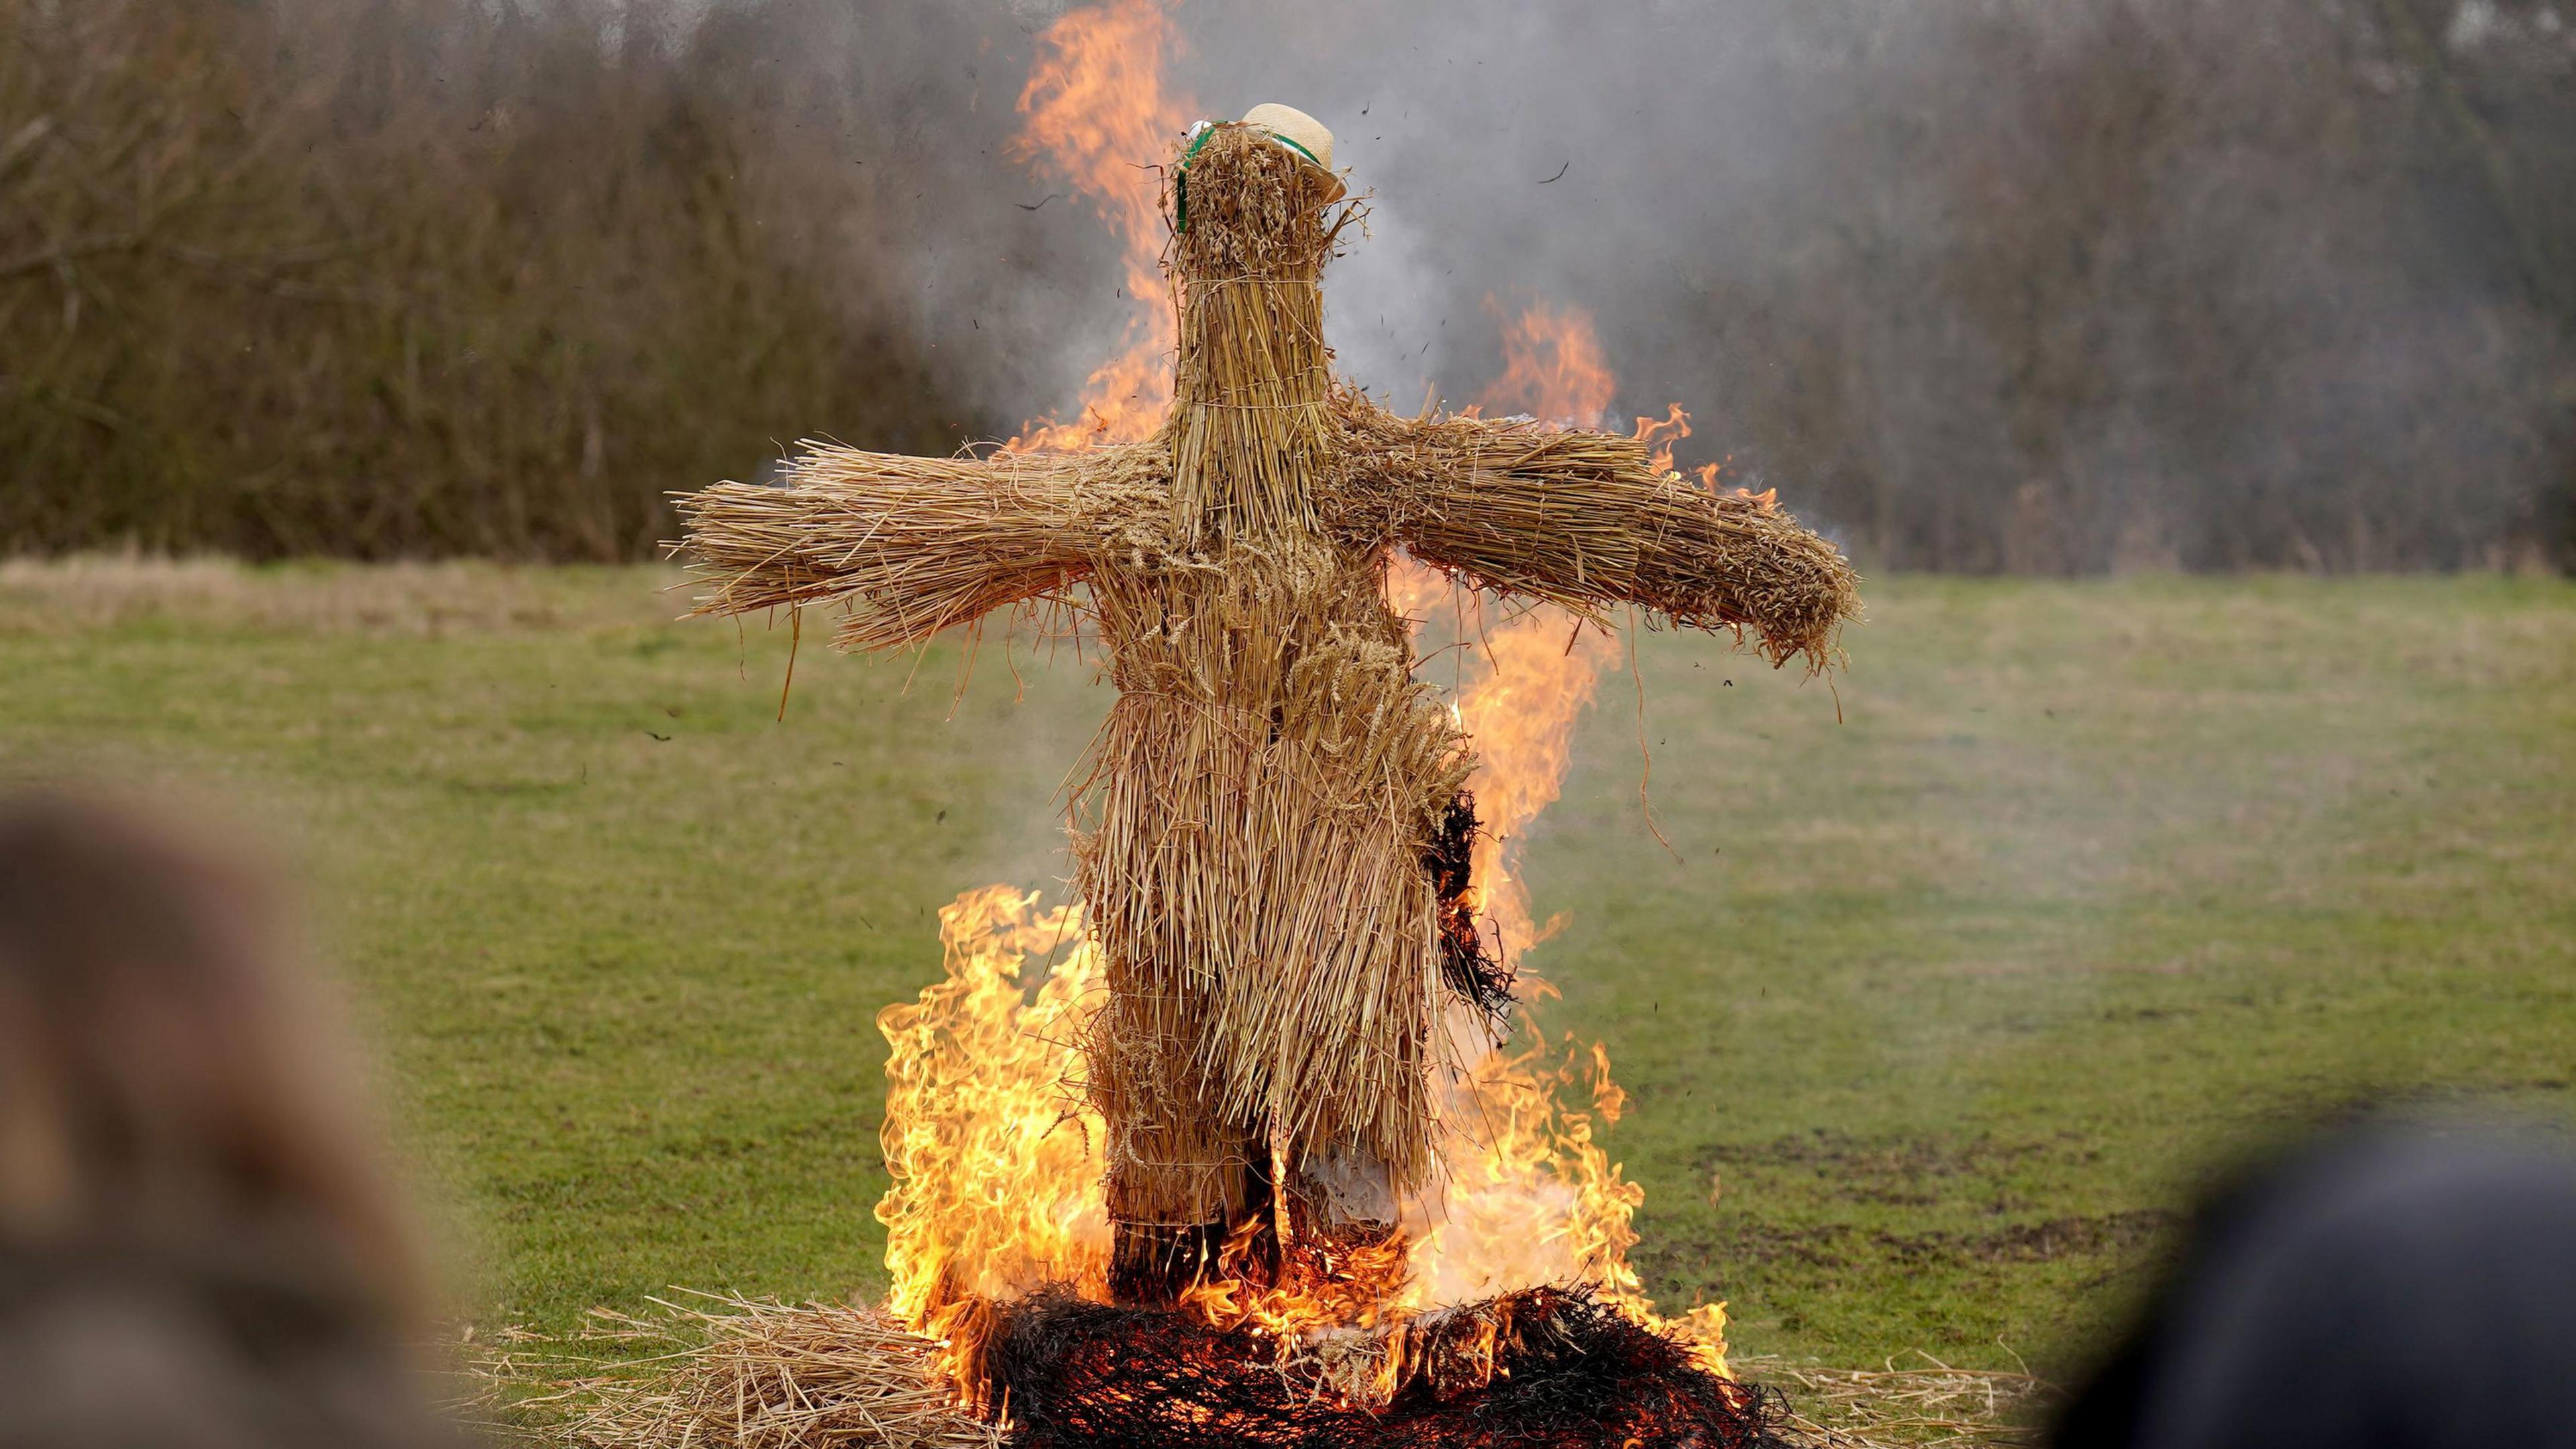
x=1251, y=855
x=1253, y=833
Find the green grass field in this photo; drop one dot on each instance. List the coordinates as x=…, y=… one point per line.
x=1933, y=1018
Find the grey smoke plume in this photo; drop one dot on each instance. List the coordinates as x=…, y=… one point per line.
x=2000, y=285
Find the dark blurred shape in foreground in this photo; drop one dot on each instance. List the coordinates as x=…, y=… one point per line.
x=2392, y=1286
x=196, y=1244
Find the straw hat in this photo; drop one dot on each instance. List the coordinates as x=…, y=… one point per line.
x=1300, y=133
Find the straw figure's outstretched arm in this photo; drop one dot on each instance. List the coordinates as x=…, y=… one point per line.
x=914, y=545
x=1586, y=520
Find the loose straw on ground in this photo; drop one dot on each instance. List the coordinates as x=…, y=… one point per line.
x=1933, y=1406
x=738, y=1373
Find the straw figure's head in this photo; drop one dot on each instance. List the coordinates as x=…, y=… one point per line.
x=1252, y=196
x=1254, y=215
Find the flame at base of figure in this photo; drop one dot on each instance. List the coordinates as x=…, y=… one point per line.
x=1512, y=1288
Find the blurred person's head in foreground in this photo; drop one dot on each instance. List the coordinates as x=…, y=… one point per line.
x=197, y=1243
x=2400, y=1285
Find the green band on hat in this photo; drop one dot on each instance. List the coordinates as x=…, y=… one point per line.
x=1181, y=177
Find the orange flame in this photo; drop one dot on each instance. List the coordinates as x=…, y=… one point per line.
x=1540, y=666
x=1553, y=367
x=1532, y=1197
x=996, y=1161
x=1099, y=119
x=995, y=1158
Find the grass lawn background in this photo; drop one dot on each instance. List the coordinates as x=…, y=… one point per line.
x=1933, y=1019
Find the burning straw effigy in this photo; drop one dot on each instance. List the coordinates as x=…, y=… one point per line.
x=1269, y=843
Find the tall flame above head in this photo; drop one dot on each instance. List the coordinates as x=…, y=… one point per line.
x=1098, y=120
